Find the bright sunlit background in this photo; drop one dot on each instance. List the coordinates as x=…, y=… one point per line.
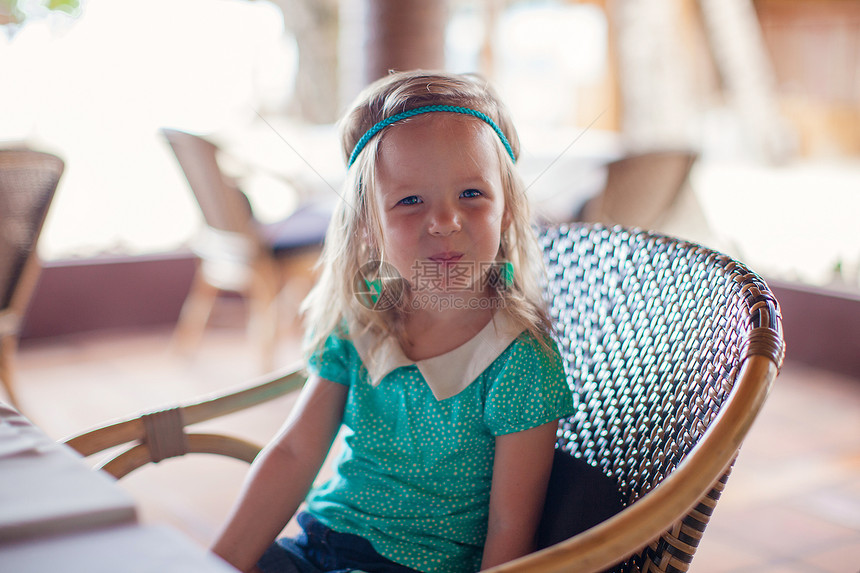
x=543, y=52
x=96, y=88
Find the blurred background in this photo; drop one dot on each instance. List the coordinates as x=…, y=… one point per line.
x=761, y=98
x=765, y=94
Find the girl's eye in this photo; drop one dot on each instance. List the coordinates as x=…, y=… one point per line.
x=470, y=193
x=411, y=200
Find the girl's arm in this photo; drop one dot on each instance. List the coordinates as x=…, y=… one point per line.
x=281, y=476
x=520, y=476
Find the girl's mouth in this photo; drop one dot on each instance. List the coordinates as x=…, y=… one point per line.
x=446, y=258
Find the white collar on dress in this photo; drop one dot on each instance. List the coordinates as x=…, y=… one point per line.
x=447, y=374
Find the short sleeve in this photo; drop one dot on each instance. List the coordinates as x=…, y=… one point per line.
x=530, y=389
x=332, y=360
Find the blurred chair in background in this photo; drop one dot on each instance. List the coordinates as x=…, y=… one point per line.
x=641, y=189
x=28, y=180
x=238, y=253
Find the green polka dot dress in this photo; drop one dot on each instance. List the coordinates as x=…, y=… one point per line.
x=414, y=474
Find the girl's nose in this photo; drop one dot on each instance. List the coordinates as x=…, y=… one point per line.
x=444, y=221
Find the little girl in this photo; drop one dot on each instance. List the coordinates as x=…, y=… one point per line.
x=429, y=350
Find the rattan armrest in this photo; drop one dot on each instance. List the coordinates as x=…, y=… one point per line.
x=139, y=455
x=143, y=449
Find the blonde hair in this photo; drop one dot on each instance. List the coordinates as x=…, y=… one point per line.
x=354, y=236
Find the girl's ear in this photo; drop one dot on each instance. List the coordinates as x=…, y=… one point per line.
x=507, y=218
x=369, y=239
x=373, y=240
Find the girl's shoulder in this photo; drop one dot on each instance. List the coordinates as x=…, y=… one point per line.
x=539, y=350
x=335, y=357
x=532, y=349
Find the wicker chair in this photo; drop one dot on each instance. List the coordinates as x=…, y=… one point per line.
x=161, y=434
x=236, y=252
x=641, y=189
x=28, y=180
x=670, y=350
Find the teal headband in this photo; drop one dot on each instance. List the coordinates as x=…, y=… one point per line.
x=427, y=109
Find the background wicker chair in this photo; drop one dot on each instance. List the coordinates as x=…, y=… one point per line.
x=28, y=180
x=641, y=189
x=236, y=252
x=670, y=350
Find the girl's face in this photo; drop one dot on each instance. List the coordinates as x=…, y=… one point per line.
x=440, y=201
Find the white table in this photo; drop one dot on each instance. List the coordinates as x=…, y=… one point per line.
x=57, y=514
x=129, y=548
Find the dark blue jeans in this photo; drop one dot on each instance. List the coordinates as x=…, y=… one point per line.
x=318, y=549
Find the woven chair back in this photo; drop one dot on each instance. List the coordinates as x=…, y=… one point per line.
x=222, y=203
x=640, y=189
x=654, y=331
x=28, y=180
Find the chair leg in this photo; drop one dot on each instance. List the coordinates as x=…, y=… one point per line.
x=263, y=319
x=8, y=347
x=297, y=278
x=277, y=287
x=195, y=313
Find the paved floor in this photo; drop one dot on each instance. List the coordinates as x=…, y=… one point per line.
x=792, y=504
